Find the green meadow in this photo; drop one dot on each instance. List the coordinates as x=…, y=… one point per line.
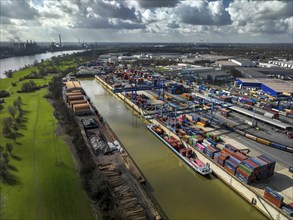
x=43, y=181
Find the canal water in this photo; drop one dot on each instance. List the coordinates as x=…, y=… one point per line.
x=181, y=193
x=14, y=63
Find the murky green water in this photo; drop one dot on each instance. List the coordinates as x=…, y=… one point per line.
x=182, y=193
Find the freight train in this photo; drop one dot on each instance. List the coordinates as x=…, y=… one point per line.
x=258, y=139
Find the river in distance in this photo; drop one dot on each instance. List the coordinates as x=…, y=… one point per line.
x=181, y=193
x=14, y=63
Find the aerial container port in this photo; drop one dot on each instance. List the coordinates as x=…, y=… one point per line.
x=191, y=131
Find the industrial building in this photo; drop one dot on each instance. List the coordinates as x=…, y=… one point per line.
x=273, y=87
x=249, y=72
x=195, y=70
x=283, y=64
x=215, y=75
x=226, y=64
x=258, y=72
x=244, y=62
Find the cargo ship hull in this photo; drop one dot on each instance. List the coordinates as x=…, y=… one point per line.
x=202, y=170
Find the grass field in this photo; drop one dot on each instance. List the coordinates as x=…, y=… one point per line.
x=39, y=189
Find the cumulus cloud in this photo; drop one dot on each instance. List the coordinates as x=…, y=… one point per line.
x=203, y=13
x=110, y=9
x=173, y=24
x=103, y=23
x=157, y=3
x=5, y=20
x=18, y=9
x=261, y=17
x=184, y=20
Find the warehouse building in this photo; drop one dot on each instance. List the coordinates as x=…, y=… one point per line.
x=258, y=72
x=215, y=75
x=273, y=87
x=283, y=64
x=226, y=64
x=244, y=62
x=251, y=72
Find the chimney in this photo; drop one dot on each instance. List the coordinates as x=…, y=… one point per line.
x=60, y=43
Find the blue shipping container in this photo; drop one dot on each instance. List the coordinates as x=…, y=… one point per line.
x=274, y=194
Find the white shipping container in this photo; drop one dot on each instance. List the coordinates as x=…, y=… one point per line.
x=269, y=115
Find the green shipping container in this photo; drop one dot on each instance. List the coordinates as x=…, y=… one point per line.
x=245, y=169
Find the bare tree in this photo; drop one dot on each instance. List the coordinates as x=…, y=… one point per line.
x=12, y=111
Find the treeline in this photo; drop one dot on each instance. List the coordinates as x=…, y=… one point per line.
x=10, y=127
x=92, y=179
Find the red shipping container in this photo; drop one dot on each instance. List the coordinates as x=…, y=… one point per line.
x=273, y=200
x=225, y=150
x=229, y=171
x=240, y=156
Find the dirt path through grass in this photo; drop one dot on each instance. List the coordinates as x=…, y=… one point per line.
x=37, y=190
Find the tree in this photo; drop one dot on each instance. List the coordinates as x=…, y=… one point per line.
x=7, y=124
x=9, y=148
x=1, y=151
x=3, y=170
x=6, y=157
x=28, y=86
x=12, y=111
x=15, y=125
x=17, y=104
x=8, y=73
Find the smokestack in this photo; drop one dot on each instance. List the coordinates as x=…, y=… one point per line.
x=60, y=45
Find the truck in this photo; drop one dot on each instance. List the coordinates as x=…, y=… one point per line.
x=251, y=123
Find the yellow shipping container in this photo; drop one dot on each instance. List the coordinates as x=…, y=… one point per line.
x=200, y=124
x=263, y=141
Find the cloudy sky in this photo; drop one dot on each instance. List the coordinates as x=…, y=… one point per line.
x=235, y=21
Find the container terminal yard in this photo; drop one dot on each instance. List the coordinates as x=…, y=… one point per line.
x=238, y=133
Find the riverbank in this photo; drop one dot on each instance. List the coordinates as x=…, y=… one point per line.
x=41, y=170
x=16, y=63
x=244, y=190
x=120, y=172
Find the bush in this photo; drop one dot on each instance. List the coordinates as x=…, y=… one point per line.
x=29, y=86
x=4, y=93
